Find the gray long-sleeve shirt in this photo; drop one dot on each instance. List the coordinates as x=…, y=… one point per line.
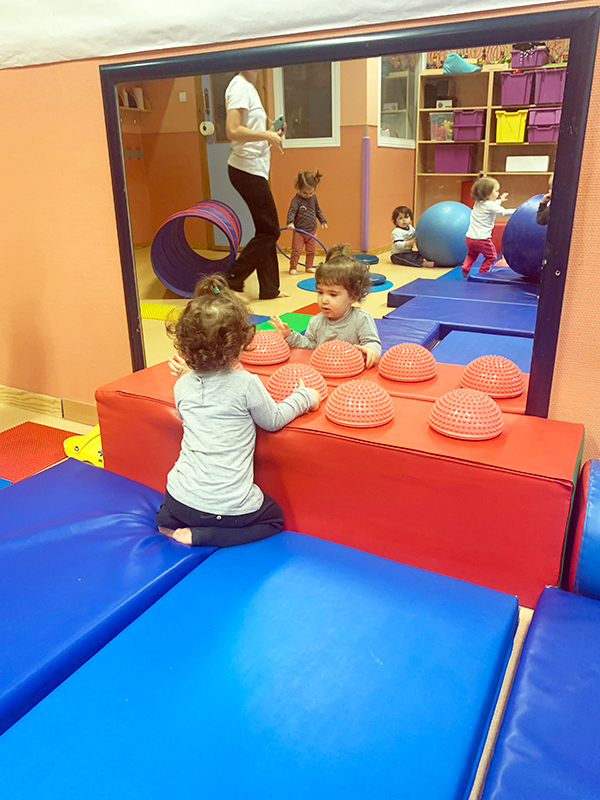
x=304, y=212
x=219, y=410
x=357, y=327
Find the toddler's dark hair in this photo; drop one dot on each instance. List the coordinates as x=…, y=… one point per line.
x=338, y=250
x=402, y=211
x=483, y=187
x=345, y=271
x=307, y=180
x=213, y=328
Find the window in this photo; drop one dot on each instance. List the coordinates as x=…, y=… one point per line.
x=398, y=100
x=308, y=96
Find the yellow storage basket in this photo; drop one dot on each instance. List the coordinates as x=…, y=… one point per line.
x=510, y=125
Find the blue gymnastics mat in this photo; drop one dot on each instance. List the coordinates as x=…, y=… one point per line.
x=464, y=290
x=461, y=347
x=288, y=668
x=396, y=331
x=81, y=558
x=465, y=315
x=548, y=742
x=497, y=274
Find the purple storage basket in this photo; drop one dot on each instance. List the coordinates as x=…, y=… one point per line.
x=542, y=133
x=549, y=85
x=536, y=57
x=467, y=132
x=454, y=159
x=544, y=116
x=474, y=117
x=516, y=88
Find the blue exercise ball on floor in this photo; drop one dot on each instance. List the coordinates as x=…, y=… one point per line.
x=441, y=232
x=523, y=240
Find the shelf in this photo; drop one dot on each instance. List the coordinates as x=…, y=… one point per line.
x=520, y=173
x=525, y=105
x=456, y=174
x=454, y=108
x=452, y=141
x=398, y=111
x=520, y=144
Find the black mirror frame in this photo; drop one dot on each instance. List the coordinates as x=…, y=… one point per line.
x=580, y=25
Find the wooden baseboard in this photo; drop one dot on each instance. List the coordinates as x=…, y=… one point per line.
x=36, y=403
x=31, y=401
x=86, y=413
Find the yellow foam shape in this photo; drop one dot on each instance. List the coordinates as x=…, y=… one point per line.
x=159, y=311
x=86, y=448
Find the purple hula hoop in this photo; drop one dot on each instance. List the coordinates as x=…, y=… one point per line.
x=299, y=231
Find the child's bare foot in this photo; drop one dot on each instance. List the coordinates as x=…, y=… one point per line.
x=166, y=531
x=183, y=535
x=428, y=263
x=310, y=269
x=293, y=271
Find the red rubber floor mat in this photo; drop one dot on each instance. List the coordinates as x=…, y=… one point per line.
x=29, y=448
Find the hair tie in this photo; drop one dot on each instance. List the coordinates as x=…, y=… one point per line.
x=217, y=290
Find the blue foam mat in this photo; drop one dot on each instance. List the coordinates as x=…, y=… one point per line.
x=521, y=294
x=587, y=575
x=461, y=347
x=418, y=331
x=80, y=559
x=453, y=314
x=292, y=667
x=548, y=742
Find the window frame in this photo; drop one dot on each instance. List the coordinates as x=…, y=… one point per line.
x=388, y=141
x=325, y=141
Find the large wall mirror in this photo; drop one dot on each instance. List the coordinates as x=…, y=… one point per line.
x=384, y=93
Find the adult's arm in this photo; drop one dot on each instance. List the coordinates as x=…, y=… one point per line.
x=236, y=132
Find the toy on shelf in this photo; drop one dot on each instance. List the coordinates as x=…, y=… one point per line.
x=497, y=376
x=285, y=379
x=266, y=347
x=408, y=362
x=337, y=359
x=466, y=414
x=360, y=404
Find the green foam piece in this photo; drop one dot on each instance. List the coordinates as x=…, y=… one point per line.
x=297, y=322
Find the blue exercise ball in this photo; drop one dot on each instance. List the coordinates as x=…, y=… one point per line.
x=523, y=239
x=441, y=232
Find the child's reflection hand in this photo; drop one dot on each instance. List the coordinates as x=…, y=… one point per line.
x=371, y=356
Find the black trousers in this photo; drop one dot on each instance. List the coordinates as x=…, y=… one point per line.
x=407, y=258
x=260, y=253
x=221, y=530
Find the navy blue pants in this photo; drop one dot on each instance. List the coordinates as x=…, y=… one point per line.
x=221, y=530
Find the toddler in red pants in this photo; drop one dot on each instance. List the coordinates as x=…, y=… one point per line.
x=303, y=213
x=488, y=205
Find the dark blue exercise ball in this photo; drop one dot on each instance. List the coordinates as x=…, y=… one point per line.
x=523, y=240
x=441, y=232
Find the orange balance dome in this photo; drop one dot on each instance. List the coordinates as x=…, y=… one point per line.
x=495, y=375
x=360, y=404
x=408, y=362
x=285, y=379
x=466, y=414
x=337, y=359
x=266, y=347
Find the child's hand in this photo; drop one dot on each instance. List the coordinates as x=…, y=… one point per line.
x=410, y=243
x=371, y=356
x=503, y=196
x=324, y=225
x=315, y=394
x=178, y=367
x=282, y=328
x=546, y=198
x=291, y=226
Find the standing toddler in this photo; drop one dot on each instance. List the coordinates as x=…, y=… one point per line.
x=302, y=214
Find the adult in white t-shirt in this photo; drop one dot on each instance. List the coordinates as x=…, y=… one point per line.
x=248, y=167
